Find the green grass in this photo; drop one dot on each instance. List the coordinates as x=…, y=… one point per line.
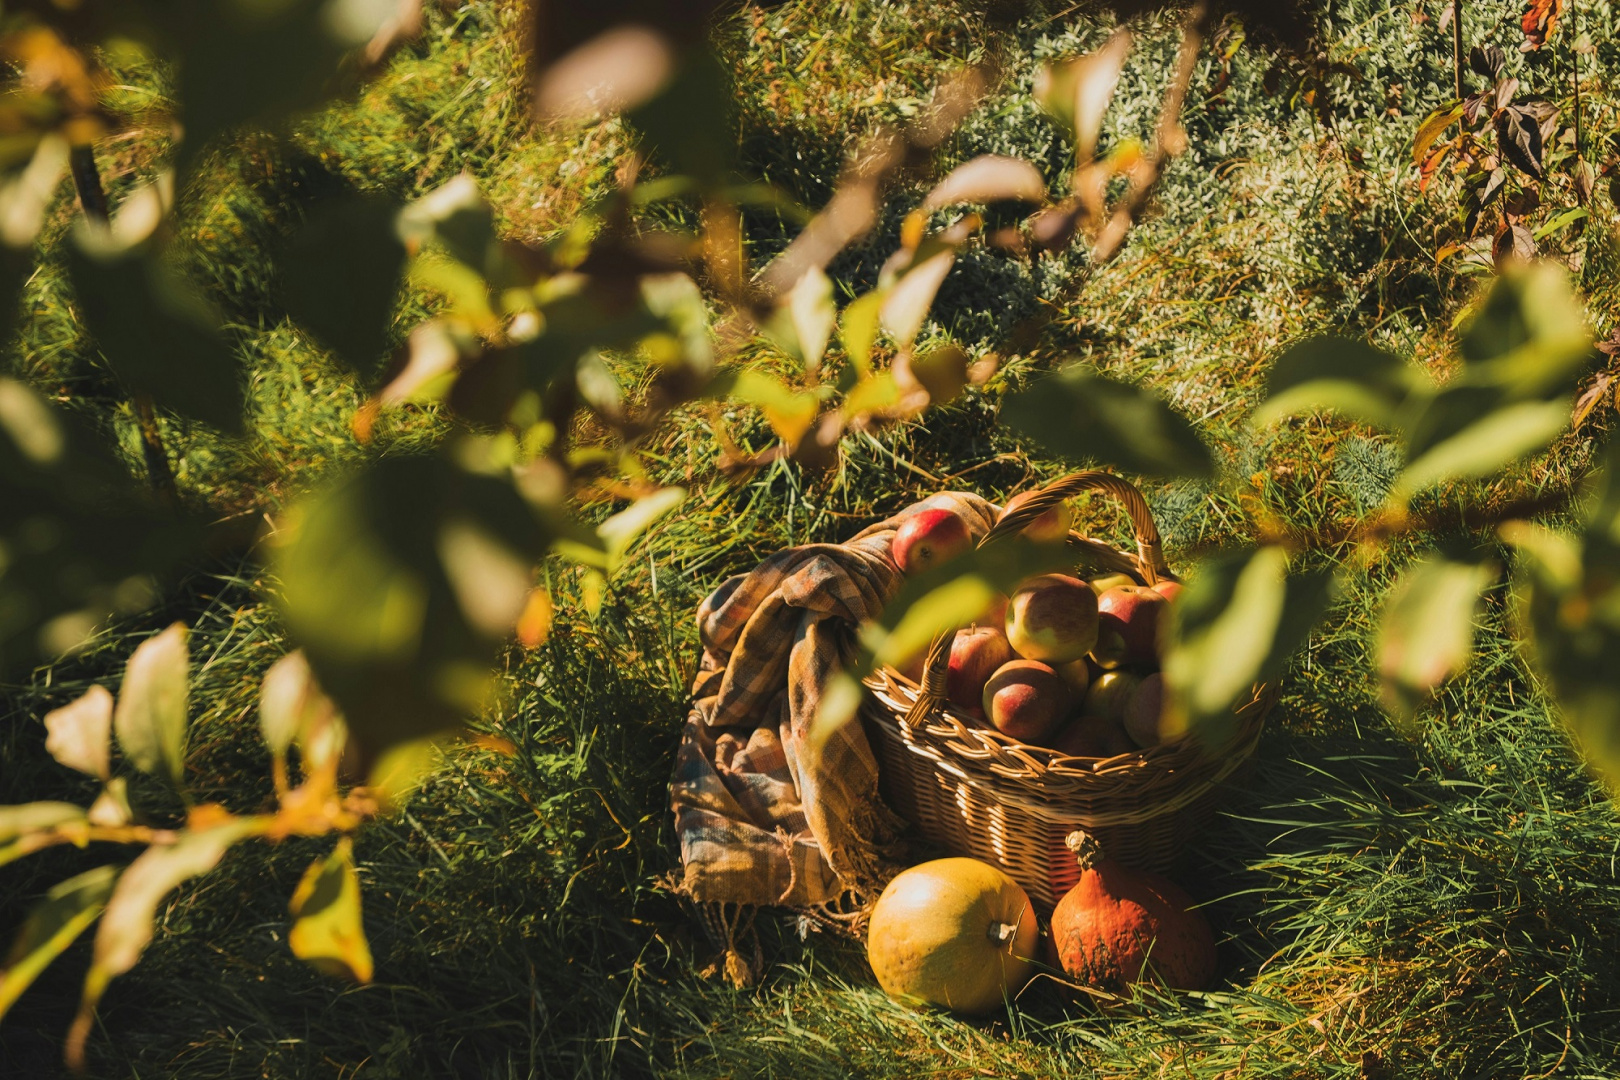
x=1438, y=900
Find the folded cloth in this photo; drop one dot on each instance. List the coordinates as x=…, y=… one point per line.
x=763, y=817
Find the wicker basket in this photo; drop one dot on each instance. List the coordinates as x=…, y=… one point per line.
x=974, y=791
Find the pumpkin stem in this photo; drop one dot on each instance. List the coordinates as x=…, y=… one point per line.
x=1087, y=851
x=1001, y=932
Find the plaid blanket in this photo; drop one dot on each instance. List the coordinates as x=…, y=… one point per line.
x=763, y=818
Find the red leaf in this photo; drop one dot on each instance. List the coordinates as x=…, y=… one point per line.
x=1540, y=20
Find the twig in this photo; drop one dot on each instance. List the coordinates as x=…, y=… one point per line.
x=1169, y=140
x=1456, y=46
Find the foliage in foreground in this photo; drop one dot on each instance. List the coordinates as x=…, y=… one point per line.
x=858, y=1010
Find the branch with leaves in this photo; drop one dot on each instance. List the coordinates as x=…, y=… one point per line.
x=148, y=720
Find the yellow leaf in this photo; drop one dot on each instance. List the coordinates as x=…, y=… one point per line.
x=1432, y=127
x=326, y=905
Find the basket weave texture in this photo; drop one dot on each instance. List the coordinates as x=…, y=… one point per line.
x=973, y=791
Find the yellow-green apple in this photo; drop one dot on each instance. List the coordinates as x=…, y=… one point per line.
x=1102, y=584
x=1109, y=694
x=1143, y=711
x=1077, y=673
x=1128, y=626
x=976, y=654
x=1025, y=699
x=1169, y=589
x=1050, y=527
x=1092, y=736
x=929, y=538
x=1052, y=618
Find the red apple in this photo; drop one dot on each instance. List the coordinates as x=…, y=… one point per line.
x=1128, y=626
x=1052, y=618
x=1102, y=584
x=976, y=654
x=1051, y=527
x=1093, y=737
x=1109, y=694
x=1025, y=699
x=929, y=538
x=1143, y=711
x=1169, y=589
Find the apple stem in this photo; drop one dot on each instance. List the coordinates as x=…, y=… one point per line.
x=1001, y=932
x=1087, y=851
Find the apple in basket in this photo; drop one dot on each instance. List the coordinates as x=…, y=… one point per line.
x=1092, y=736
x=1109, y=694
x=1144, y=712
x=976, y=654
x=928, y=539
x=1103, y=583
x=1169, y=589
x=957, y=933
x=1025, y=700
x=1050, y=527
x=1052, y=618
x=1078, y=674
x=1128, y=620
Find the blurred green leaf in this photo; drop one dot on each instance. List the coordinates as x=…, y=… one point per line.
x=858, y=329
x=1567, y=595
x=689, y=123
x=252, y=61
x=79, y=734
x=1342, y=374
x=1084, y=417
x=949, y=607
x=621, y=530
x=1460, y=435
x=872, y=393
x=1076, y=92
x=1240, y=618
x=404, y=643
x=1529, y=338
x=25, y=818
x=951, y=596
x=1426, y=634
x=789, y=412
x=158, y=336
x=292, y=706
x=127, y=922
x=456, y=218
x=907, y=298
x=341, y=274
x=54, y=924
x=804, y=323
x=81, y=539
x=150, y=717
x=988, y=178
x=327, y=931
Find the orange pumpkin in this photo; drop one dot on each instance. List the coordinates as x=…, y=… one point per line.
x=1118, y=925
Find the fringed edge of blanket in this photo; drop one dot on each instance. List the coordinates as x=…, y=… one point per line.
x=730, y=928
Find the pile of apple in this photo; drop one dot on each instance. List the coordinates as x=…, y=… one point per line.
x=1065, y=664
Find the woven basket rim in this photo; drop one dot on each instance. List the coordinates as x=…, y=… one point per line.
x=931, y=726
x=971, y=749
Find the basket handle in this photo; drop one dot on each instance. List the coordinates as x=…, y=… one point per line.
x=1148, y=564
